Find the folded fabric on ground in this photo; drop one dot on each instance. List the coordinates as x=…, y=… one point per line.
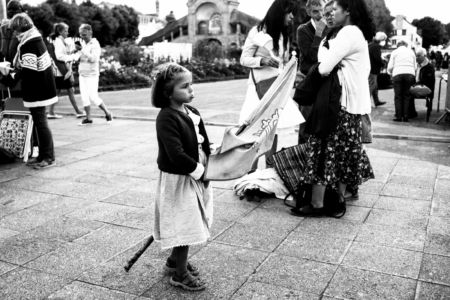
x=266, y=180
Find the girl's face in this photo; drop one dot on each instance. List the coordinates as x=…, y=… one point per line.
x=288, y=18
x=182, y=90
x=340, y=15
x=64, y=32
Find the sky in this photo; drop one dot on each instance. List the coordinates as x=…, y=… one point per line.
x=412, y=9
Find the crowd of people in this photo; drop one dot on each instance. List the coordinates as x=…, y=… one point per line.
x=336, y=157
x=339, y=52
x=36, y=69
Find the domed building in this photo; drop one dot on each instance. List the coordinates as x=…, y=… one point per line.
x=216, y=22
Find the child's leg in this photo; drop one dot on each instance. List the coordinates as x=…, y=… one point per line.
x=183, y=278
x=180, y=255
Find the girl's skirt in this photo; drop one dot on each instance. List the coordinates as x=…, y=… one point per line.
x=183, y=210
x=340, y=157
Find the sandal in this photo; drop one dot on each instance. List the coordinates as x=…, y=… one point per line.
x=171, y=268
x=188, y=282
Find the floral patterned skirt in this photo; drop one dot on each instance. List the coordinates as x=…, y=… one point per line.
x=340, y=157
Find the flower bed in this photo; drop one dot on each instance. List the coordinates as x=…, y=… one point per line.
x=127, y=66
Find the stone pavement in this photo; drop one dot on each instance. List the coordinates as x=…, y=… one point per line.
x=66, y=232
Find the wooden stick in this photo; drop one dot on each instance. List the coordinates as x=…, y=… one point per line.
x=138, y=254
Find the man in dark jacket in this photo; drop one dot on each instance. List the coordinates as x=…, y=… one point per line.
x=425, y=76
x=309, y=36
x=376, y=63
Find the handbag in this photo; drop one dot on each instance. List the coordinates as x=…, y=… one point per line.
x=289, y=164
x=366, y=136
x=420, y=91
x=262, y=86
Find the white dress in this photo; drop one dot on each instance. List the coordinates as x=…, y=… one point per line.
x=258, y=45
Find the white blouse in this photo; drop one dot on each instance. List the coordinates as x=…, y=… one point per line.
x=350, y=49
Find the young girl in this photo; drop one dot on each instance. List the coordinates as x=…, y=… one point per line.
x=183, y=205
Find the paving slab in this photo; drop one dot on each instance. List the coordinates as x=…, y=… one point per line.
x=430, y=291
x=69, y=261
x=407, y=191
x=388, y=260
x=440, y=206
x=23, y=283
x=64, y=229
x=349, y=283
x=258, y=290
x=24, y=247
x=6, y=267
x=419, y=207
x=249, y=236
x=329, y=227
x=408, y=239
x=435, y=269
x=397, y=219
x=364, y=200
x=82, y=290
x=437, y=244
x=306, y=275
x=327, y=249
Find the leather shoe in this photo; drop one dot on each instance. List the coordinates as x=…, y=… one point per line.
x=380, y=103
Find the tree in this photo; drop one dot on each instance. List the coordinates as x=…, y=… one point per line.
x=447, y=33
x=128, y=22
x=102, y=21
x=109, y=25
x=432, y=31
x=67, y=13
x=381, y=15
x=42, y=16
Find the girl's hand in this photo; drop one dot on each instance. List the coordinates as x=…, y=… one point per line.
x=270, y=62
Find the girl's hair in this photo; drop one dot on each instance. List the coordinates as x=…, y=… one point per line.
x=21, y=23
x=163, y=82
x=273, y=22
x=59, y=27
x=360, y=16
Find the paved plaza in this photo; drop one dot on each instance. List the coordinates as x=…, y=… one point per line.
x=66, y=232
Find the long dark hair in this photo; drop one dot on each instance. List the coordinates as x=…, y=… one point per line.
x=273, y=22
x=360, y=16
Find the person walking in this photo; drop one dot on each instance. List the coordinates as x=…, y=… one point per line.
x=64, y=54
x=266, y=51
x=89, y=71
x=309, y=36
x=376, y=63
x=342, y=160
x=32, y=65
x=184, y=201
x=402, y=65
